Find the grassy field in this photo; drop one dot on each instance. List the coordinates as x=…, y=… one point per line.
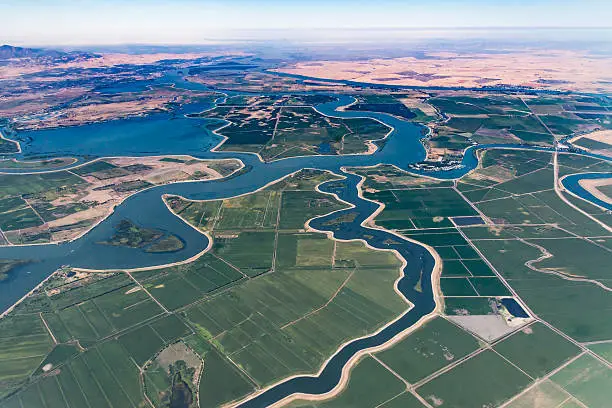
x=433, y=346
x=24, y=343
x=221, y=381
x=537, y=350
x=297, y=315
x=26, y=204
x=370, y=385
x=545, y=394
x=35, y=184
x=100, y=377
x=565, y=304
x=279, y=132
x=179, y=286
x=484, y=380
x=588, y=380
x=602, y=349
x=385, y=177
x=423, y=208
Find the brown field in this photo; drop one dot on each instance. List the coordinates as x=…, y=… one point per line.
x=96, y=108
x=25, y=66
x=568, y=70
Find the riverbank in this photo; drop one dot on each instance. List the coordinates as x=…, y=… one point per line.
x=593, y=187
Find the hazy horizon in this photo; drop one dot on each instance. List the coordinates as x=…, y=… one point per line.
x=185, y=22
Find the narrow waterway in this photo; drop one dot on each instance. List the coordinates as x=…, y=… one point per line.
x=415, y=285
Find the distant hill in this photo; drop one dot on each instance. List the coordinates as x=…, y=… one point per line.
x=43, y=54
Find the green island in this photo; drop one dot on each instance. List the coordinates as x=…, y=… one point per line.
x=130, y=235
x=275, y=131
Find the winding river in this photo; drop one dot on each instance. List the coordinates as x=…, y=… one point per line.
x=191, y=136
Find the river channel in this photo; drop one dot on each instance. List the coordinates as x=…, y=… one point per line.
x=181, y=135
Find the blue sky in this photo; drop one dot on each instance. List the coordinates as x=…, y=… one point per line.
x=74, y=22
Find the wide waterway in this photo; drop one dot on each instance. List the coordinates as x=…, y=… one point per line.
x=164, y=134
x=147, y=208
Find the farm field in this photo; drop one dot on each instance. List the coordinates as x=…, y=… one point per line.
x=362, y=390
x=519, y=265
x=435, y=345
x=485, y=379
x=58, y=206
x=308, y=286
x=275, y=131
x=272, y=299
x=225, y=306
x=534, y=237
x=509, y=119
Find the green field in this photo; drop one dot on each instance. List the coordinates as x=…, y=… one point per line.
x=591, y=144
x=100, y=377
x=384, y=177
x=26, y=202
x=602, y=349
x=537, y=350
x=433, y=346
x=24, y=343
x=491, y=118
x=279, y=132
x=545, y=394
x=483, y=380
x=588, y=380
x=565, y=304
x=319, y=295
x=221, y=381
x=272, y=299
x=419, y=208
x=37, y=184
x=370, y=385
x=296, y=315
x=179, y=286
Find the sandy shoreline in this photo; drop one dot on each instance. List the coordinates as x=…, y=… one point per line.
x=191, y=259
x=592, y=186
x=112, y=209
x=11, y=141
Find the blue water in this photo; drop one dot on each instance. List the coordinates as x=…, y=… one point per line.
x=147, y=208
x=125, y=87
x=155, y=134
x=476, y=220
x=571, y=183
x=165, y=134
x=514, y=307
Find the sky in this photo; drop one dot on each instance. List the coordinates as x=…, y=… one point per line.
x=89, y=22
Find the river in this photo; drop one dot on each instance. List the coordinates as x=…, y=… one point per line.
x=177, y=134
